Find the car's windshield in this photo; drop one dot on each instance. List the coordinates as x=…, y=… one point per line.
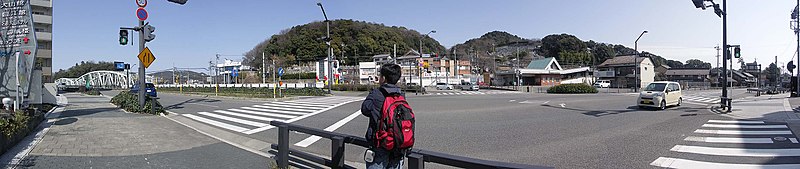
x=149, y=85
x=658, y=87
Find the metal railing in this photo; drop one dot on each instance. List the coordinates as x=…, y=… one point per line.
x=416, y=157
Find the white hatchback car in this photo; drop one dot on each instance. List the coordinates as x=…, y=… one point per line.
x=660, y=95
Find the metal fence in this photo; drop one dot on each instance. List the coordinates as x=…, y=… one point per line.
x=416, y=158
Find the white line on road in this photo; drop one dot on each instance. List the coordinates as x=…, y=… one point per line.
x=742, y=152
x=733, y=140
x=241, y=121
x=737, y=132
x=216, y=123
x=735, y=121
x=746, y=126
x=204, y=105
x=263, y=114
x=268, y=109
x=546, y=102
x=245, y=115
x=682, y=163
x=293, y=106
x=563, y=104
x=267, y=105
x=310, y=140
x=301, y=117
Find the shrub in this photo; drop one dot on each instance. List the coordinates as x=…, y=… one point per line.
x=572, y=89
x=16, y=123
x=91, y=92
x=309, y=75
x=251, y=91
x=130, y=102
x=353, y=87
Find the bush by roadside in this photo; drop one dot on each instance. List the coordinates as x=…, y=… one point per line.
x=353, y=87
x=130, y=102
x=572, y=89
x=91, y=92
x=14, y=126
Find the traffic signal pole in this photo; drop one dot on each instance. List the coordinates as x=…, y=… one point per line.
x=141, y=65
x=725, y=56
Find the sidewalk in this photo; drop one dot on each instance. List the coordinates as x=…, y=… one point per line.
x=92, y=133
x=774, y=108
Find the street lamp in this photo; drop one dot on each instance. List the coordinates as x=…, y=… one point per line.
x=721, y=12
x=420, y=58
x=328, y=42
x=636, y=59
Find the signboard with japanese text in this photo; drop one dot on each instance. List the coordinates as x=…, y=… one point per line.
x=17, y=39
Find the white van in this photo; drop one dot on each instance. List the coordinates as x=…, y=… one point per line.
x=660, y=94
x=602, y=84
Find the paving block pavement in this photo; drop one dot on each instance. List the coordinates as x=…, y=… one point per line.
x=92, y=133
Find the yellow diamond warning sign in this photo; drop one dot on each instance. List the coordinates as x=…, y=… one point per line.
x=146, y=57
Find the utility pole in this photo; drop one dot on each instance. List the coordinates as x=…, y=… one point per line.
x=797, y=32
x=216, y=76
x=636, y=60
x=141, y=65
x=725, y=55
x=274, y=80
x=717, y=47
x=264, y=68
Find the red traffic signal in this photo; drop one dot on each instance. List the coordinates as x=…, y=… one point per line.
x=790, y=66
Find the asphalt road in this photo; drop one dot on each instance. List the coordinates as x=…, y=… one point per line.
x=603, y=130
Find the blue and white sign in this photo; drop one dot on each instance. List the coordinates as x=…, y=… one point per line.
x=280, y=71
x=235, y=72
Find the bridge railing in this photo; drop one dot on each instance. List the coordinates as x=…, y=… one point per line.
x=416, y=158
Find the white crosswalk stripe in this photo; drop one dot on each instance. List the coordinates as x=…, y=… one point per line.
x=256, y=118
x=734, y=139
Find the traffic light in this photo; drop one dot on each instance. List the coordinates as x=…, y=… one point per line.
x=737, y=52
x=148, y=33
x=123, y=37
x=699, y=4
x=790, y=66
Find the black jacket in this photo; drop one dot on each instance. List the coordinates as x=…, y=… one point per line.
x=373, y=105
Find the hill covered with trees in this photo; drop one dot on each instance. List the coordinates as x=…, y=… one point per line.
x=358, y=40
x=83, y=68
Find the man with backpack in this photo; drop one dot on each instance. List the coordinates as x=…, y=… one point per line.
x=391, y=121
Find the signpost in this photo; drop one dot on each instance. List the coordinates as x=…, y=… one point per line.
x=17, y=50
x=141, y=14
x=280, y=82
x=146, y=57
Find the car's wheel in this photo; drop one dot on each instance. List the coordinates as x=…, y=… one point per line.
x=680, y=100
x=663, y=105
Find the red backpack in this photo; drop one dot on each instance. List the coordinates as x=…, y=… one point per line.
x=396, y=127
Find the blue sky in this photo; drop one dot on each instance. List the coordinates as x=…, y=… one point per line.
x=190, y=35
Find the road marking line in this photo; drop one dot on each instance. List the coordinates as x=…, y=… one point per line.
x=274, y=111
x=246, y=116
x=683, y=163
x=292, y=106
x=241, y=121
x=280, y=110
x=204, y=105
x=746, y=126
x=736, y=121
x=546, y=102
x=310, y=140
x=733, y=140
x=301, y=117
x=283, y=108
x=310, y=103
x=743, y=152
x=263, y=114
x=216, y=123
x=300, y=104
x=563, y=104
x=691, y=102
x=737, y=132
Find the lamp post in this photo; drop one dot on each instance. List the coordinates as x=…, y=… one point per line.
x=420, y=59
x=721, y=12
x=328, y=42
x=636, y=60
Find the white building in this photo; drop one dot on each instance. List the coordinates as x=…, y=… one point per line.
x=229, y=69
x=367, y=73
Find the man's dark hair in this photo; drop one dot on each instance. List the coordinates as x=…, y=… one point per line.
x=390, y=72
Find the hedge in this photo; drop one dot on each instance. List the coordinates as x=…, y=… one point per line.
x=310, y=75
x=572, y=89
x=15, y=126
x=130, y=102
x=250, y=91
x=353, y=87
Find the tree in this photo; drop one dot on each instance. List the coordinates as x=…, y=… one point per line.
x=695, y=63
x=772, y=73
x=674, y=63
x=83, y=68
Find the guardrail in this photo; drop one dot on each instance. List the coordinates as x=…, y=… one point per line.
x=416, y=158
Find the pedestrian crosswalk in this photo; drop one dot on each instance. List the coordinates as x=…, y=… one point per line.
x=735, y=144
x=256, y=118
x=701, y=99
x=474, y=92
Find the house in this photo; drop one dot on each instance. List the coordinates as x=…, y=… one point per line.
x=620, y=71
x=546, y=72
x=688, y=74
x=382, y=59
x=367, y=73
